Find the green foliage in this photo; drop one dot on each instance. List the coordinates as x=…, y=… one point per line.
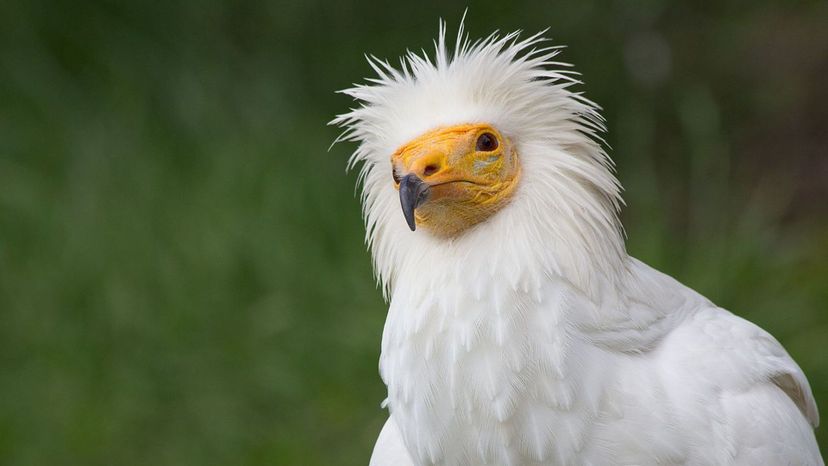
x=182, y=274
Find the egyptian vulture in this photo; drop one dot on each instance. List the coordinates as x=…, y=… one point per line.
x=519, y=331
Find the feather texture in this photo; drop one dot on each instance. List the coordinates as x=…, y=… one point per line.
x=533, y=338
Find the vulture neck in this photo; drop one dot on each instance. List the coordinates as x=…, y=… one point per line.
x=470, y=321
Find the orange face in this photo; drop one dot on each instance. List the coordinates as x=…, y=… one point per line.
x=455, y=177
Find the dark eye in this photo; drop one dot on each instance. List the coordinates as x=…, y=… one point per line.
x=487, y=142
x=395, y=175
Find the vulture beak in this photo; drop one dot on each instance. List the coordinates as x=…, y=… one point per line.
x=413, y=192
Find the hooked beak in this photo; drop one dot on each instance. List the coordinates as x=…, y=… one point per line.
x=413, y=193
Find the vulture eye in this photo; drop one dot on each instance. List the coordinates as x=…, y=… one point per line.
x=394, y=175
x=487, y=142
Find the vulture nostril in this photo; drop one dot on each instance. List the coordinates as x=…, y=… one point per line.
x=430, y=170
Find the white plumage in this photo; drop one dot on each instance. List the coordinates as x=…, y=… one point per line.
x=532, y=337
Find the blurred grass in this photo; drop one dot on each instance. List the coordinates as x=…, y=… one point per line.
x=182, y=275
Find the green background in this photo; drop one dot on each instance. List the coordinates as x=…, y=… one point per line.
x=182, y=274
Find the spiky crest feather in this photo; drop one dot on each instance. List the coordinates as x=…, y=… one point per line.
x=568, y=198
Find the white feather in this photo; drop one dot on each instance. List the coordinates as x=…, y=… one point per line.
x=533, y=338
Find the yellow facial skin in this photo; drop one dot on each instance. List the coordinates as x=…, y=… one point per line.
x=469, y=176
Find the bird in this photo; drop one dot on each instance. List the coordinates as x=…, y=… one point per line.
x=519, y=330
